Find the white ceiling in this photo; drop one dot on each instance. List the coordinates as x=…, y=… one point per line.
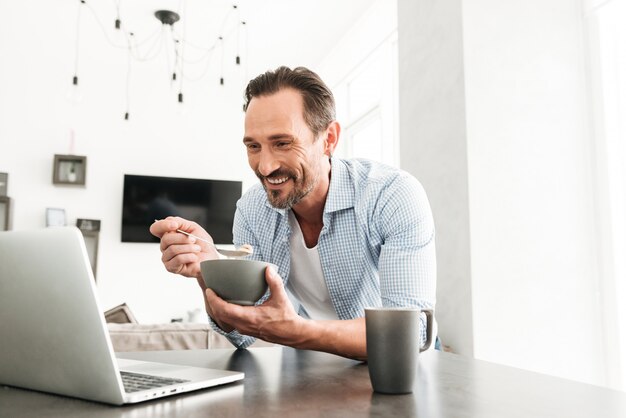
x=290, y=32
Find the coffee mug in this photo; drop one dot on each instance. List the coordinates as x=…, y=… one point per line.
x=393, y=346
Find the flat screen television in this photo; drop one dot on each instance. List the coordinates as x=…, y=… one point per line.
x=210, y=203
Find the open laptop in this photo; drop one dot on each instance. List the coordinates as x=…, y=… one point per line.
x=53, y=337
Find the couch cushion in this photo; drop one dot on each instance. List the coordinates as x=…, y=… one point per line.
x=149, y=337
x=174, y=336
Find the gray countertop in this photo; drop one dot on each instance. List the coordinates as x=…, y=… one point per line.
x=283, y=382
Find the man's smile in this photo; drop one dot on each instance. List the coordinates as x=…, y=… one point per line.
x=276, y=180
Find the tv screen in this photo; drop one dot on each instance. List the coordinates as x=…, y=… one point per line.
x=210, y=203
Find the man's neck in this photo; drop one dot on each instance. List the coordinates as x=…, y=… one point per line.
x=311, y=226
x=310, y=211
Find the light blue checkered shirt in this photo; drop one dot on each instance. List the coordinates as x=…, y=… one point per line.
x=377, y=246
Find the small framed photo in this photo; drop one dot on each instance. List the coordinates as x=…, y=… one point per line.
x=5, y=213
x=90, y=228
x=69, y=169
x=55, y=217
x=4, y=183
x=91, y=225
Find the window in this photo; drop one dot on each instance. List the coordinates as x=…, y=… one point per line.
x=366, y=106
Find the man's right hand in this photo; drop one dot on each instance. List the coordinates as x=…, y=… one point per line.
x=182, y=254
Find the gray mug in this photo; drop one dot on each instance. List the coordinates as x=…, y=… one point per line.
x=393, y=346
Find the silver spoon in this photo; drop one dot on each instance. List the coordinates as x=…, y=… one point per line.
x=242, y=251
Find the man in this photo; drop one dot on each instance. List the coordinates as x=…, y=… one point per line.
x=345, y=234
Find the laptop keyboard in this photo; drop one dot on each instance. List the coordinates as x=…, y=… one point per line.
x=134, y=382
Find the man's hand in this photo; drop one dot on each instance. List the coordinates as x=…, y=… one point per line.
x=274, y=321
x=182, y=254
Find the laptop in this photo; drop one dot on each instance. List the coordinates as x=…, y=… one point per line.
x=53, y=337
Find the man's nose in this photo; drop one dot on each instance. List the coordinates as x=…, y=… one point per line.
x=267, y=163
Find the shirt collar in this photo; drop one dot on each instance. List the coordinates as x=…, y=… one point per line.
x=341, y=189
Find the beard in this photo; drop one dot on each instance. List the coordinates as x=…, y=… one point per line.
x=302, y=186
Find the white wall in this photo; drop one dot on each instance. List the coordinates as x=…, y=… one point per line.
x=378, y=23
x=434, y=148
x=533, y=272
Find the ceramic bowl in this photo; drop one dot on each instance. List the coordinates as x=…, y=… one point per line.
x=237, y=281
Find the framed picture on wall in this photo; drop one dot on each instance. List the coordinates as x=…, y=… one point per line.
x=90, y=228
x=5, y=213
x=91, y=225
x=4, y=183
x=55, y=217
x=69, y=169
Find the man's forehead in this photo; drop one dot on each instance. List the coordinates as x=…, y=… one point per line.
x=281, y=110
x=286, y=99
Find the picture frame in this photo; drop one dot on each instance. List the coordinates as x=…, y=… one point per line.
x=91, y=225
x=5, y=213
x=4, y=184
x=121, y=314
x=69, y=169
x=55, y=217
x=90, y=228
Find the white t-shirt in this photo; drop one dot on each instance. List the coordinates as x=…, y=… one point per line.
x=306, y=279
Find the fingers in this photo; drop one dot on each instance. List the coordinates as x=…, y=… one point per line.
x=172, y=223
x=226, y=310
x=176, y=246
x=177, y=263
x=160, y=227
x=181, y=254
x=275, y=283
x=272, y=320
x=218, y=309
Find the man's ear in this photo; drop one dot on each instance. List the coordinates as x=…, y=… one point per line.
x=332, y=138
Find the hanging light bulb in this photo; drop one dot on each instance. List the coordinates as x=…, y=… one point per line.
x=176, y=66
x=221, y=39
x=237, y=59
x=181, y=109
x=118, y=21
x=74, y=93
x=128, y=73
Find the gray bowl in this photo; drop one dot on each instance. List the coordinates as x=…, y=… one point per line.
x=236, y=280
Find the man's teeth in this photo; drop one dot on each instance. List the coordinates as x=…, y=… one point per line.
x=277, y=181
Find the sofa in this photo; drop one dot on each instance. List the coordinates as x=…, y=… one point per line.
x=129, y=335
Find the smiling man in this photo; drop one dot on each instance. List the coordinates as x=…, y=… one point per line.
x=345, y=234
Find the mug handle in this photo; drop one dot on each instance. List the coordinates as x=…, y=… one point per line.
x=429, y=329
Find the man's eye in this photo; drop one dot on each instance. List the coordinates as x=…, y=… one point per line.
x=282, y=144
x=252, y=147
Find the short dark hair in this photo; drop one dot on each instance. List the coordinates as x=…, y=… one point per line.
x=319, y=103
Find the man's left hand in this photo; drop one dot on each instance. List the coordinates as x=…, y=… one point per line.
x=274, y=321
